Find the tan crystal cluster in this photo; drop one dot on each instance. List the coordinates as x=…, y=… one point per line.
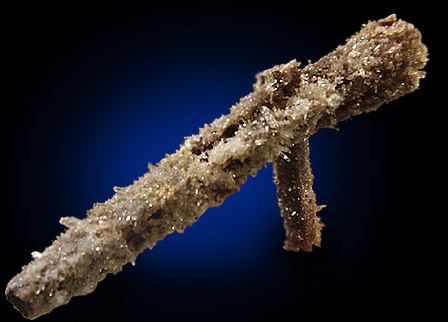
x=272, y=124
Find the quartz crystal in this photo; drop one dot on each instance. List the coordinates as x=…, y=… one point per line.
x=272, y=124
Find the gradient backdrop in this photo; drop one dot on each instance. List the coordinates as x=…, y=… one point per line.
x=93, y=94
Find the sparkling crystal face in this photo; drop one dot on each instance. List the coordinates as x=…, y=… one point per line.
x=272, y=124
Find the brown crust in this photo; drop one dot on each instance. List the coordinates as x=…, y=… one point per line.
x=288, y=104
x=297, y=199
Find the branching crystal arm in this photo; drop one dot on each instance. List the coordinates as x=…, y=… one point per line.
x=380, y=63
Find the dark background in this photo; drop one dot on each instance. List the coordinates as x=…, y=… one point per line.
x=93, y=93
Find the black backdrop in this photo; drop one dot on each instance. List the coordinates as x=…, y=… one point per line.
x=93, y=93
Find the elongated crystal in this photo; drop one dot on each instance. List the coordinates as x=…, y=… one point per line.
x=379, y=64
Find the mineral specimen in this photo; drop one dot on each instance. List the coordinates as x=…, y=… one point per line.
x=378, y=64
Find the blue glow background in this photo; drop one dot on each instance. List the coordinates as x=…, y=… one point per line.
x=94, y=94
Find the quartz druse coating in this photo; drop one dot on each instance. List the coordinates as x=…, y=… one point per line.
x=380, y=63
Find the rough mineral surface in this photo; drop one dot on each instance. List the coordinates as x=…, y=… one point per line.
x=379, y=64
x=296, y=198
